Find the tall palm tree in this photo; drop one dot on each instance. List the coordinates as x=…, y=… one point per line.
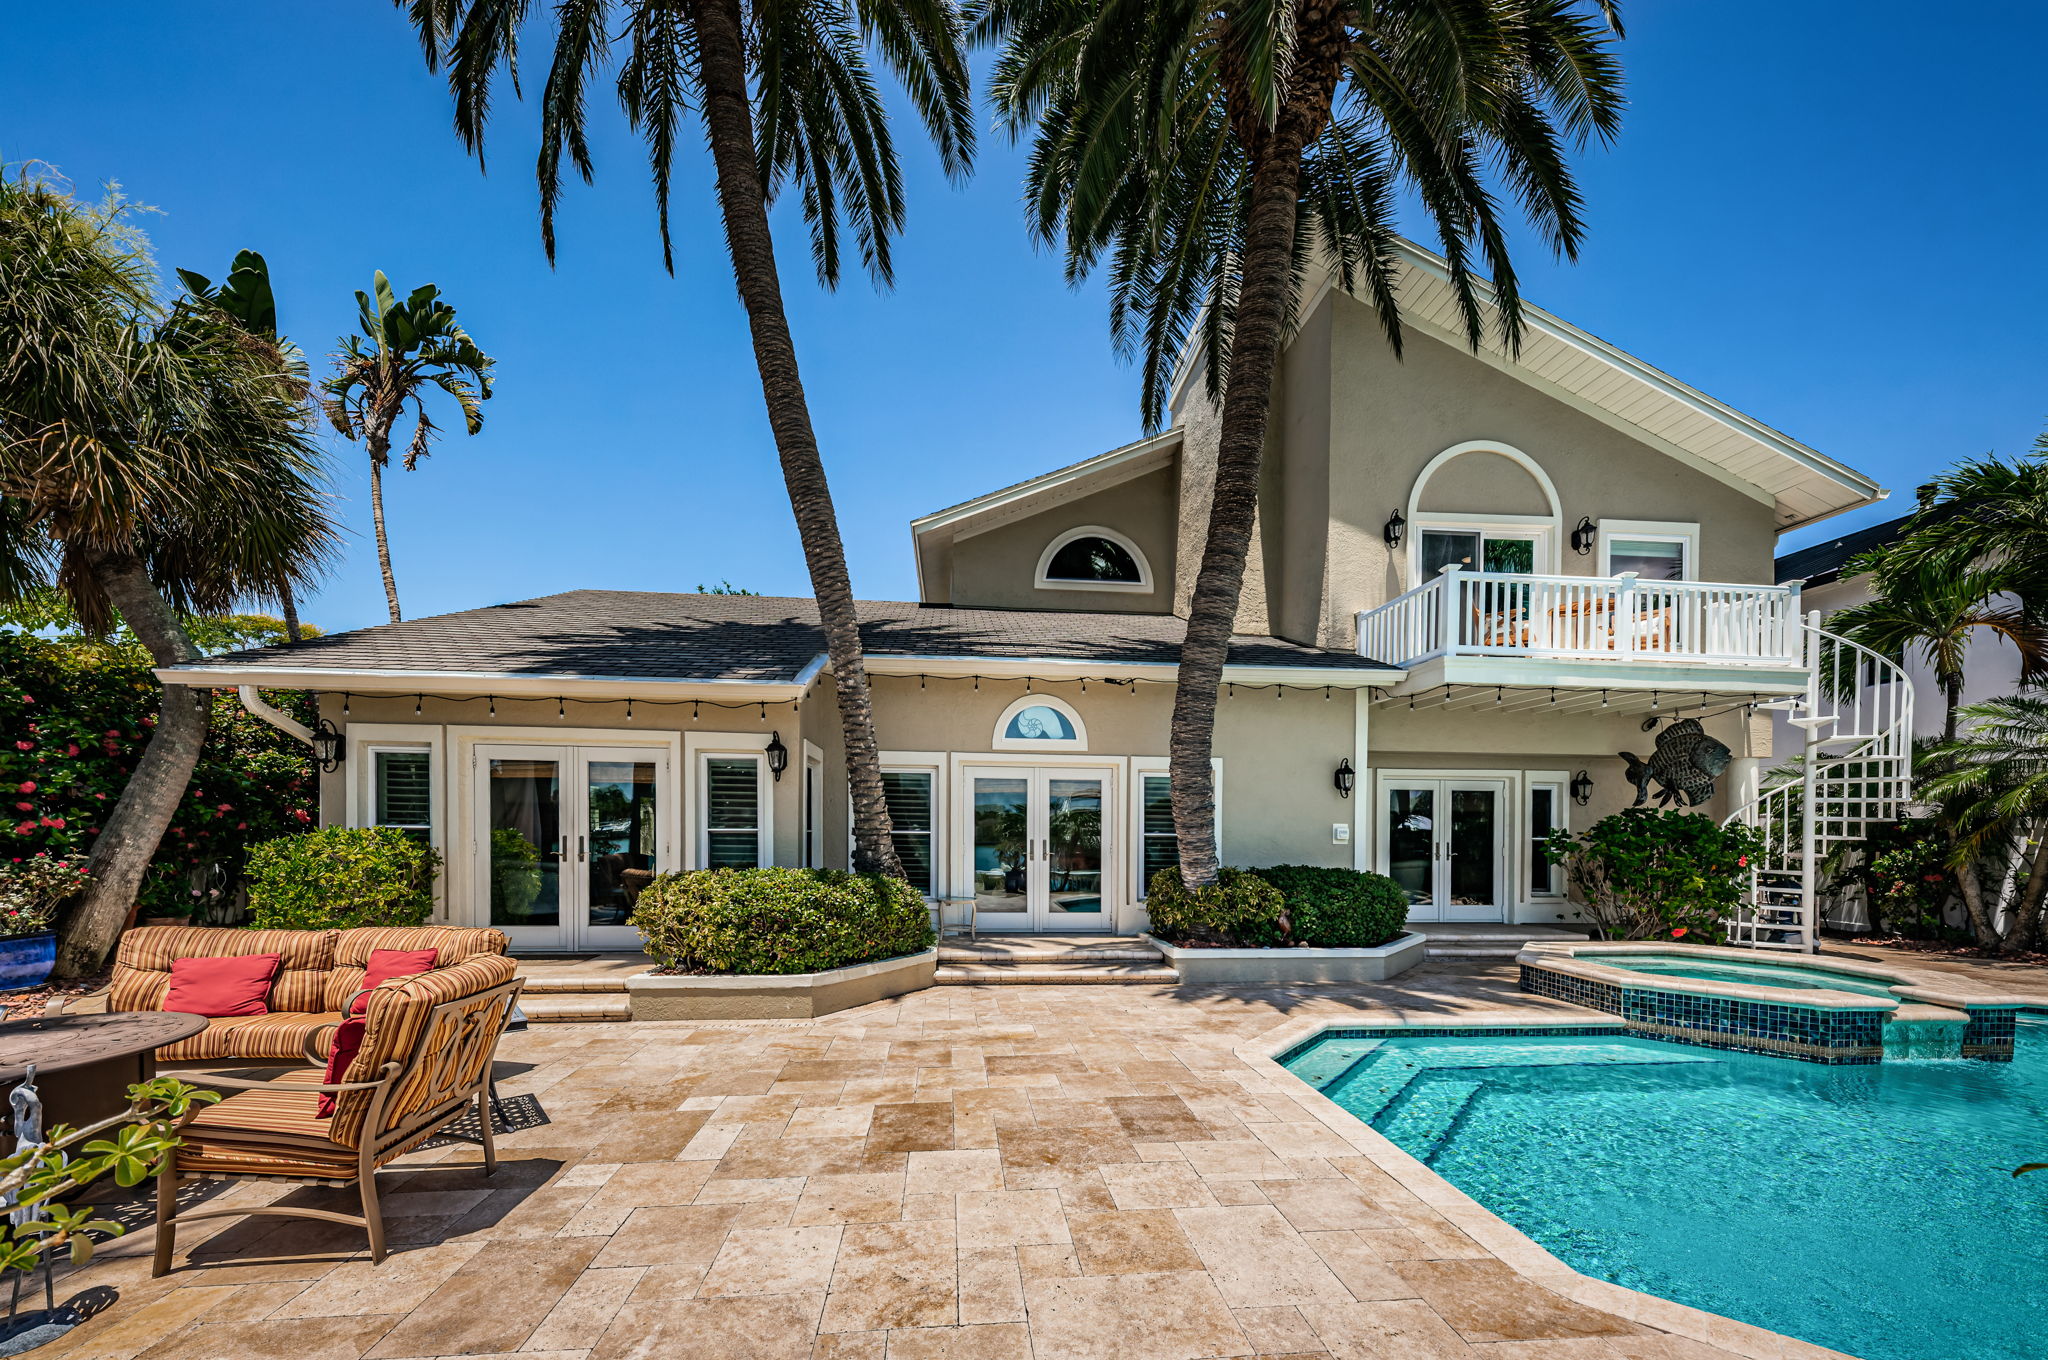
x=1981, y=511
x=150, y=467
x=1933, y=610
x=1207, y=151
x=404, y=350
x=1992, y=783
x=245, y=297
x=787, y=98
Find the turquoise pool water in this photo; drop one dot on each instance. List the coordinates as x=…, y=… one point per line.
x=1871, y=1209
x=1753, y=974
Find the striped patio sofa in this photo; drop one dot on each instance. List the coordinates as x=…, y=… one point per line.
x=319, y=970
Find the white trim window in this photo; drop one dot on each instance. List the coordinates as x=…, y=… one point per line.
x=1655, y=550
x=814, y=807
x=1154, y=846
x=1092, y=557
x=401, y=792
x=1040, y=722
x=1501, y=543
x=733, y=818
x=1547, y=808
x=913, y=798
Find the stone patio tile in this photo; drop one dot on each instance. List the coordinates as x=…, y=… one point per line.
x=1320, y=1205
x=955, y=1171
x=830, y=1121
x=323, y=1338
x=1350, y=1256
x=1402, y=1329
x=1125, y=1243
x=1277, y=1331
x=1235, y=1160
x=493, y=1302
x=750, y=1190
x=710, y=1142
x=1173, y=1316
x=1161, y=1119
x=1042, y=1260
x=580, y=1318
x=893, y=1275
x=397, y=1285
x=670, y=1235
x=1157, y=1185
x=1029, y=1153
x=851, y=1346
x=779, y=1157
x=999, y=1341
x=924, y=1126
x=745, y=1327
x=991, y=1286
x=1257, y=1259
x=772, y=1261
x=642, y=1184
x=1010, y=1218
x=859, y=1197
x=1489, y=1301
x=647, y=1140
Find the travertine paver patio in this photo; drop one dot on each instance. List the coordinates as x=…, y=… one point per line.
x=1000, y=1173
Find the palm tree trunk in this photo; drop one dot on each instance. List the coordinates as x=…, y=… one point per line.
x=128, y=838
x=742, y=201
x=1264, y=289
x=1971, y=886
x=380, y=444
x=289, y=606
x=2026, y=933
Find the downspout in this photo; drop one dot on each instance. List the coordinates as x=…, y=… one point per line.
x=278, y=718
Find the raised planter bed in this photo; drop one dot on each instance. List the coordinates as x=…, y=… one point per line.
x=779, y=996
x=1269, y=966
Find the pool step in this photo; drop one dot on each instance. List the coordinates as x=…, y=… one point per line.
x=1424, y=1112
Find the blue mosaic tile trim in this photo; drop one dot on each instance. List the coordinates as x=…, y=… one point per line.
x=1803, y=1032
x=1445, y=1032
x=1991, y=1033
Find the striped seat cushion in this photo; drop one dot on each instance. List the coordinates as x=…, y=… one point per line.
x=353, y=948
x=285, y=1109
x=396, y=1024
x=256, y=1038
x=142, y=964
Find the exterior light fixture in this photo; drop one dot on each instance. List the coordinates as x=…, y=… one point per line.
x=328, y=747
x=1585, y=536
x=778, y=756
x=1346, y=778
x=1397, y=525
x=1582, y=788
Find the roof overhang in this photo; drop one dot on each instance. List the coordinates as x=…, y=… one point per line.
x=1801, y=484
x=932, y=536
x=1068, y=668
x=502, y=684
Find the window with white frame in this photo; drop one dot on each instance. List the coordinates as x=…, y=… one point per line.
x=1546, y=813
x=814, y=807
x=1158, y=848
x=402, y=790
x=734, y=824
x=1093, y=558
x=913, y=812
x=1653, y=550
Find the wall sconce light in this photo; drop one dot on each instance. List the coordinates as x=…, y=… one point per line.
x=1397, y=525
x=1585, y=536
x=1346, y=778
x=328, y=747
x=778, y=756
x=1582, y=788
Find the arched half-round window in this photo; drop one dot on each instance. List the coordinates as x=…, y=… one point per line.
x=1093, y=558
x=1039, y=722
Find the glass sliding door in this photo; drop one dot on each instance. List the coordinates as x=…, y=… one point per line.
x=567, y=838
x=1443, y=841
x=1039, y=857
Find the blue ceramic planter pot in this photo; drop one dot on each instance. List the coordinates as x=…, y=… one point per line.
x=26, y=961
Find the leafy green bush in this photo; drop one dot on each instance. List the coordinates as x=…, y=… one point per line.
x=1239, y=909
x=33, y=888
x=779, y=920
x=1658, y=874
x=1339, y=908
x=341, y=877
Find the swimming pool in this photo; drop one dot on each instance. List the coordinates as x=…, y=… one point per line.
x=1750, y=974
x=1868, y=1208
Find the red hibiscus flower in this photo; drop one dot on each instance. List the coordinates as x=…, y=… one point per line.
x=1678, y=934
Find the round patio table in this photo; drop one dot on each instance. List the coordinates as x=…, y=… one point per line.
x=86, y=1063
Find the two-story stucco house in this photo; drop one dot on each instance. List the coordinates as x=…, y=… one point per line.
x=1478, y=580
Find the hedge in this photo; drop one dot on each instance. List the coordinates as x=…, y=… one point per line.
x=1339, y=908
x=1239, y=909
x=779, y=920
x=341, y=877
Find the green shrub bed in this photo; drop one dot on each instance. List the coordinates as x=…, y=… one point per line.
x=1278, y=907
x=777, y=921
x=342, y=877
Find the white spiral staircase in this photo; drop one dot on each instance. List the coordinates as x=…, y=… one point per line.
x=1855, y=769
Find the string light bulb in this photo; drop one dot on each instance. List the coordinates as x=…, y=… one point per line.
x=417, y=700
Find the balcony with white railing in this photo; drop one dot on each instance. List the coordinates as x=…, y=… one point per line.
x=1585, y=618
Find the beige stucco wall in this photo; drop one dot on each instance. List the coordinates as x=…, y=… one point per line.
x=997, y=569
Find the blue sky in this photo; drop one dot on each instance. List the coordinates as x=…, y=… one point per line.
x=1826, y=215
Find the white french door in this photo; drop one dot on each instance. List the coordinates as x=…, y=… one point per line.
x=566, y=838
x=1444, y=841
x=1038, y=848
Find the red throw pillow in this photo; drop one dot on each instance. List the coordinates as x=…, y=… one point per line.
x=222, y=986
x=386, y=964
x=348, y=1040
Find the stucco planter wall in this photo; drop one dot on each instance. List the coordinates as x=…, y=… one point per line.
x=785, y=996
x=1241, y=966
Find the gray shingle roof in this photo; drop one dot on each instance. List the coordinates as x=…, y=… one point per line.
x=741, y=637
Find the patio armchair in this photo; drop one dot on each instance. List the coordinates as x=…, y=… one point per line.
x=428, y=1041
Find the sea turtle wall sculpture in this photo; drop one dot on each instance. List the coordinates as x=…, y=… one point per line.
x=1684, y=765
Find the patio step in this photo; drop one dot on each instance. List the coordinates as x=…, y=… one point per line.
x=1457, y=940
x=1047, y=949
x=555, y=1008
x=1083, y=973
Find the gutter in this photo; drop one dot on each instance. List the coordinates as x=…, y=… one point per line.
x=252, y=700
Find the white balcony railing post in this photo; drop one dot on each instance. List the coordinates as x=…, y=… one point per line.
x=1625, y=613
x=1448, y=604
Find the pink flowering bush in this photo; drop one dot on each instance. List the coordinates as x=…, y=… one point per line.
x=33, y=888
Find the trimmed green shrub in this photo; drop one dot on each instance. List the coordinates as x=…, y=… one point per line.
x=341, y=877
x=1239, y=909
x=1333, y=908
x=1658, y=874
x=779, y=920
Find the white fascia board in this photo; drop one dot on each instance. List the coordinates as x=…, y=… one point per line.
x=1565, y=673
x=1105, y=469
x=1068, y=668
x=503, y=684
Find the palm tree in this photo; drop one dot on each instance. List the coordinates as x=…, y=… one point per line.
x=246, y=298
x=786, y=98
x=1993, y=785
x=1981, y=511
x=404, y=349
x=1933, y=610
x=1207, y=151
x=150, y=468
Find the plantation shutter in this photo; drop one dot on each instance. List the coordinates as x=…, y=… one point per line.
x=732, y=813
x=404, y=792
x=909, y=796
x=1158, y=849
